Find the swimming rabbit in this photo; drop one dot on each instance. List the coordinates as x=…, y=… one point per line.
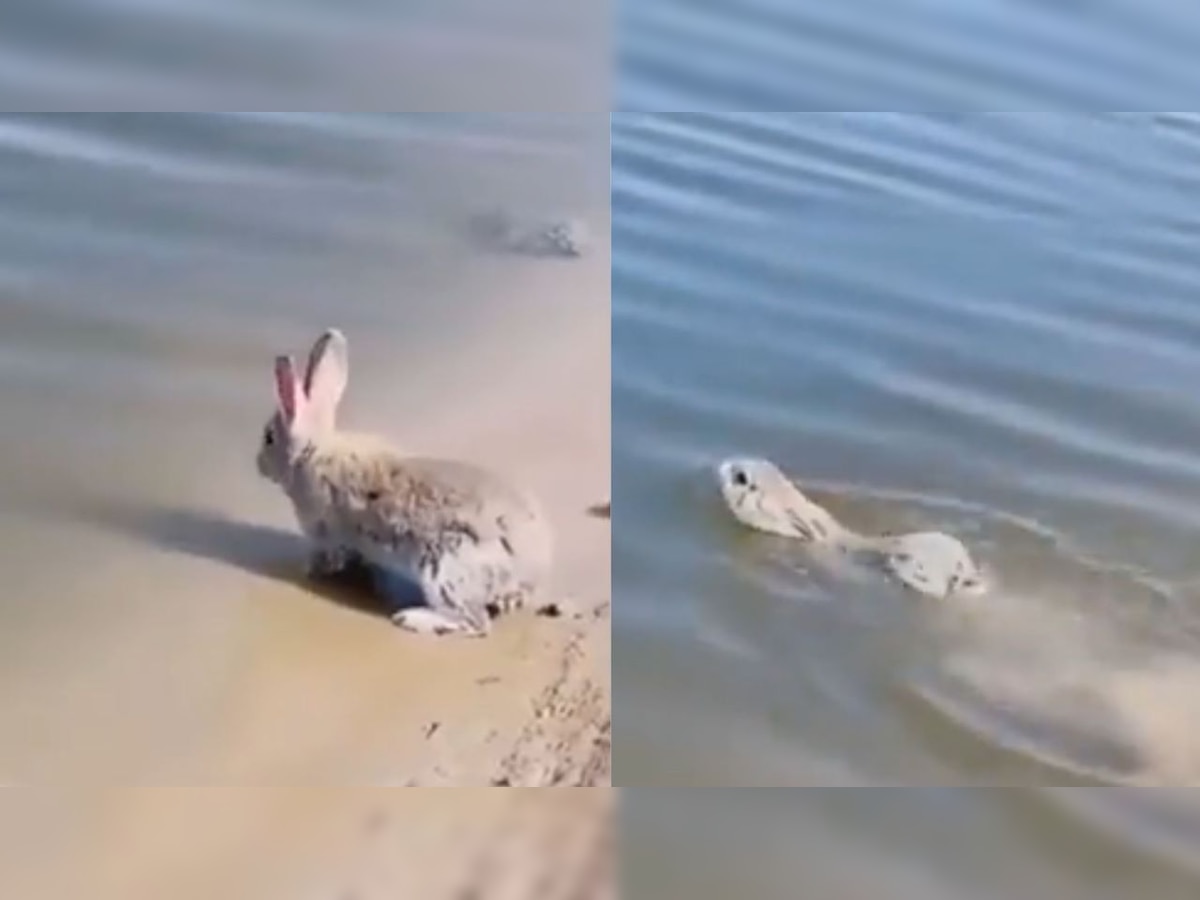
x=929, y=562
x=470, y=541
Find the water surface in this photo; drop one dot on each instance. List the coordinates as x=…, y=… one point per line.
x=369, y=55
x=982, y=323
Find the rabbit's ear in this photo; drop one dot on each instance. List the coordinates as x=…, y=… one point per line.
x=287, y=388
x=327, y=374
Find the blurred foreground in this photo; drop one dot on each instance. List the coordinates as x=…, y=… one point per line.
x=304, y=844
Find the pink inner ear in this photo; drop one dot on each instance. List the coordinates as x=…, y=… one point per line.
x=286, y=387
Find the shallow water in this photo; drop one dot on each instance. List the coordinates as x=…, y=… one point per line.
x=150, y=267
x=984, y=324
x=934, y=843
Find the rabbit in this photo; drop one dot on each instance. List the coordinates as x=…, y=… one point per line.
x=929, y=562
x=471, y=542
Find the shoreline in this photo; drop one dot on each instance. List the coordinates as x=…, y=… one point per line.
x=311, y=691
x=529, y=705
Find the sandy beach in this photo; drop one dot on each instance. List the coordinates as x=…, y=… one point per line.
x=529, y=706
x=215, y=662
x=323, y=706
x=186, y=714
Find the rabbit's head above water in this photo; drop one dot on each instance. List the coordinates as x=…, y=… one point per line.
x=305, y=409
x=761, y=496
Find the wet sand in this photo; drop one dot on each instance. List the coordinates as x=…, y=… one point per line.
x=529, y=706
x=196, y=653
x=325, y=695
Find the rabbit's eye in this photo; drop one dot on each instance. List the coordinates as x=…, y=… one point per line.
x=740, y=479
x=268, y=437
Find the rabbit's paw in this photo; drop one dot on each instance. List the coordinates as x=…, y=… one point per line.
x=422, y=620
x=324, y=561
x=509, y=601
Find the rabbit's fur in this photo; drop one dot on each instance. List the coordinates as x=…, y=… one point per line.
x=762, y=497
x=471, y=542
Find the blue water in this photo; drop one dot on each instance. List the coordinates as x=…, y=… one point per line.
x=987, y=324
x=906, y=55
x=932, y=316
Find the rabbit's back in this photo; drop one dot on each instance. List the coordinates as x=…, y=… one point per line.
x=493, y=508
x=432, y=489
x=383, y=501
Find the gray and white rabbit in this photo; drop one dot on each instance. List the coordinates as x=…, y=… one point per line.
x=470, y=541
x=764, y=498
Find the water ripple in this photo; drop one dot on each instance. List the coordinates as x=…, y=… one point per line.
x=930, y=56
x=984, y=323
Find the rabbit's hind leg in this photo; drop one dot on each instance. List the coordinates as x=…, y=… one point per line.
x=422, y=605
x=463, y=584
x=426, y=621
